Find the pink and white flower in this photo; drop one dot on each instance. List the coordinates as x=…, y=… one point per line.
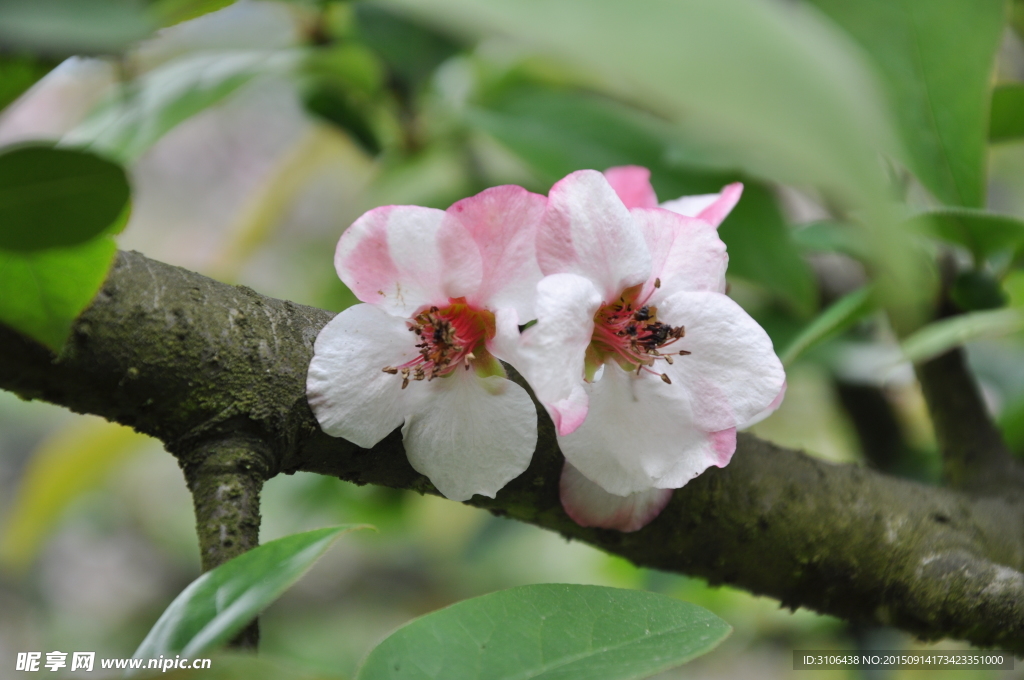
x=646, y=367
x=443, y=292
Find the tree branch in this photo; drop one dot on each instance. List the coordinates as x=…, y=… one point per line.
x=190, y=360
x=974, y=456
x=225, y=476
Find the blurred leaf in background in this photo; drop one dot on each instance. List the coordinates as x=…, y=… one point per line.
x=938, y=76
x=60, y=28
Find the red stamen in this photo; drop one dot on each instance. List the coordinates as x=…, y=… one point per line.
x=628, y=332
x=449, y=337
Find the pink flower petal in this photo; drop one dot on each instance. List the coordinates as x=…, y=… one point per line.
x=503, y=222
x=712, y=208
x=591, y=506
x=687, y=253
x=587, y=231
x=471, y=435
x=393, y=257
x=633, y=185
x=551, y=352
x=732, y=371
x=640, y=433
x=351, y=396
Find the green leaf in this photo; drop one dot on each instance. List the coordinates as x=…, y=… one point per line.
x=546, y=632
x=559, y=131
x=411, y=50
x=132, y=119
x=221, y=602
x=170, y=12
x=775, y=86
x=762, y=250
x=44, y=291
x=56, y=198
x=983, y=233
x=937, y=57
x=67, y=27
x=842, y=314
x=1006, y=122
x=945, y=334
x=826, y=236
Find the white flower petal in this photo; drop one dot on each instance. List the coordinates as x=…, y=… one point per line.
x=687, y=253
x=711, y=208
x=551, y=352
x=471, y=435
x=732, y=372
x=588, y=231
x=351, y=396
x=591, y=506
x=640, y=434
x=505, y=343
x=392, y=257
x=772, y=408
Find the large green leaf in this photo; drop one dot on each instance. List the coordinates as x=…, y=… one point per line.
x=559, y=131
x=42, y=292
x=548, y=632
x=1007, y=120
x=782, y=91
x=128, y=122
x=57, y=198
x=221, y=602
x=937, y=56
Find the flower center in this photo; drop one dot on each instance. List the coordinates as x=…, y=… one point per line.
x=449, y=337
x=628, y=332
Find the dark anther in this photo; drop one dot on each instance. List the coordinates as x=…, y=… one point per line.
x=643, y=314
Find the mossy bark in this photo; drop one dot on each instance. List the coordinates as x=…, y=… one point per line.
x=225, y=477
x=204, y=366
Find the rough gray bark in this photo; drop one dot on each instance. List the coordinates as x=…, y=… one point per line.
x=225, y=476
x=192, y=361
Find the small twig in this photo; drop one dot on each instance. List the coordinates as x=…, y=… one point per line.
x=225, y=477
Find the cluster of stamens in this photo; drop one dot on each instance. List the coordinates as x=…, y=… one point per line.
x=448, y=338
x=629, y=332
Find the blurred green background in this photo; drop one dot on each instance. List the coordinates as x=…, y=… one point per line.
x=255, y=132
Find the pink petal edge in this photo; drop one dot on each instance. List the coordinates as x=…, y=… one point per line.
x=502, y=221
x=589, y=505
x=633, y=185
x=724, y=444
x=715, y=213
